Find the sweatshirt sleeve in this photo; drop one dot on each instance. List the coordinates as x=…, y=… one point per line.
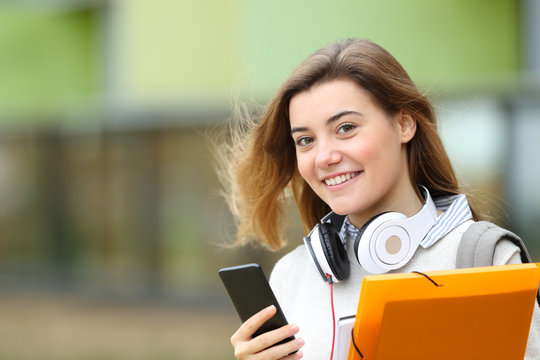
x=507, y=252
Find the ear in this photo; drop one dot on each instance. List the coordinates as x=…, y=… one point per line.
x=407, y=126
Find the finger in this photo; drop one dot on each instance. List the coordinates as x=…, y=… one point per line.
x=288, y=350
x=246, y=330
x=297, y=355
x=258, y=347
x=271, y=338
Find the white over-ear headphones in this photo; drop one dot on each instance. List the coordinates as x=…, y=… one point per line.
x=386, y=242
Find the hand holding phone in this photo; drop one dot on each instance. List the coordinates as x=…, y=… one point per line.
x=250, y=293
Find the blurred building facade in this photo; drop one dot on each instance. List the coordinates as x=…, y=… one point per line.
x=107, y=179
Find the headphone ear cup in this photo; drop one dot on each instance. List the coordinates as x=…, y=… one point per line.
x=361, y=232
x=334, y=251
x=370, y=244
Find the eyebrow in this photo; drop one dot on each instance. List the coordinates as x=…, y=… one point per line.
x=330, y=120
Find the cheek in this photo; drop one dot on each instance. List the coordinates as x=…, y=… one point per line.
x=378, y=154
x=386, y=143
x=304, y=167
x=366, y=151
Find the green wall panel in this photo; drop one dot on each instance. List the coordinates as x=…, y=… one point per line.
x=177, y=48
x=177, y=53
x=441, y=43
x=49, y=61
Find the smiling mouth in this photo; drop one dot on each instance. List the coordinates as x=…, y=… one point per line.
x=336, y=180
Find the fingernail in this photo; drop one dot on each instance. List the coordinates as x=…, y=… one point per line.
x=270, y=308
x=300, y=341
x=294, y=328
x=299, y=355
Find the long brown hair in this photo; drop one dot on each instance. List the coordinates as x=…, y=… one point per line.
x=260, y=169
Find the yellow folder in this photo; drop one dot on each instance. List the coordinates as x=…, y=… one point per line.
x=476, y=313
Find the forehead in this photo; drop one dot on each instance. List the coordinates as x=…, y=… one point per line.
x=325, y=100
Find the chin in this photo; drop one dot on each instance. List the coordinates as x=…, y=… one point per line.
x=342, y=210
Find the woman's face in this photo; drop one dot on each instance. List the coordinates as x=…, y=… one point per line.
x=351, y=152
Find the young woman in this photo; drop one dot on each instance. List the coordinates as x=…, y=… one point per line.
x=347, y=132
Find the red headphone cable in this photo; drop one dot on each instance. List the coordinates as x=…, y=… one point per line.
x=333, y=314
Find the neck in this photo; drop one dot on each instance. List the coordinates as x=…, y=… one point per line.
x=405, y=201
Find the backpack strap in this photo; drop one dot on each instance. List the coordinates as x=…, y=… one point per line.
x=478, y=242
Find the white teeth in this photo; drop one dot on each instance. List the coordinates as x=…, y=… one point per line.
x=339, y=179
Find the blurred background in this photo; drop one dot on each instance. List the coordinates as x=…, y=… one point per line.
x=111, y=223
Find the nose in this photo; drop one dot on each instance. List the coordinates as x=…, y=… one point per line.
x=327, y=155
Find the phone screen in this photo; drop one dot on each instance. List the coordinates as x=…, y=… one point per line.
x=250, y=292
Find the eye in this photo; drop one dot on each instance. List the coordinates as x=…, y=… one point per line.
x=345, y=128
x=304, y=141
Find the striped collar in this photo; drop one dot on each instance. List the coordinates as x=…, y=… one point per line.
x=455, y=210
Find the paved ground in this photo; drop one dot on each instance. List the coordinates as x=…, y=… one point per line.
x=47, y=326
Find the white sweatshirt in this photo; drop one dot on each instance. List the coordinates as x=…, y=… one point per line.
x=305, y=297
